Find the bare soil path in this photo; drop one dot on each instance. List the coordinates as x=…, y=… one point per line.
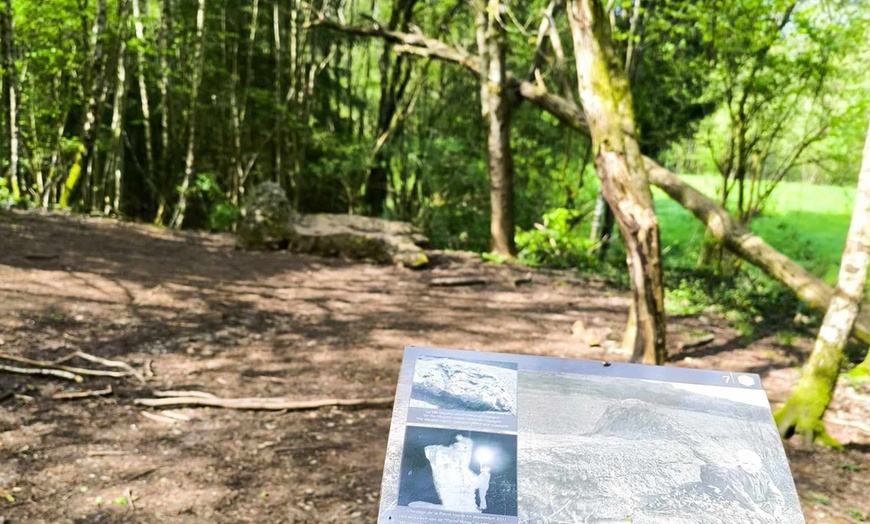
x=238, y=324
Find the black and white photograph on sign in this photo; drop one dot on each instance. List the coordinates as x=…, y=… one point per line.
x=467, y=385
x=611, y=449
x=464, y=471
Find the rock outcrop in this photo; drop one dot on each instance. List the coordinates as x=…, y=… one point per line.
x=269, y=218
x=271, y=223
x=358, y=237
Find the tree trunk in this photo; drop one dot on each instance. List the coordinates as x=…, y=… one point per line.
x=114, y=164
x=394, y=76
x=606, y=98
x=804, y=410
x=495, y=101
x=178, y=217
x=165, y=123
x=12, y=93
x=83, y=160
x=278, y=167
x=143, y=98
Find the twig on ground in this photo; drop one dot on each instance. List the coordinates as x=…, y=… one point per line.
x=129, y=495
x=78, y=371
x=527, y=279
x=176, y=416
x=696, y=343
x=197, y=394
x=159, y=418
x=264, y=404
x=109, y=453
x=83, y=394
x=457, y=281
x=857, y=425
x=106, y=362
x=42, y=371
x=149, y=369
x=41, y=256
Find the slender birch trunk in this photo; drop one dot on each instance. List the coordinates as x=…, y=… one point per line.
x=165, y=107
x=114, y=164
x=84, y=158
x=143, y=94
x=11, y=82
x=278, y=167
x=804, y=410
x=178, y=217
x=495, y=101
x=606, y=99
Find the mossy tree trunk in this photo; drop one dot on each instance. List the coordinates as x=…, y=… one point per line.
x=12, y=92
x=82, y=164
x=496, y=105
x=805, y=408
x=606, y=99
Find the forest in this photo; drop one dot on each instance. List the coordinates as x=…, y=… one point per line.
x=665, y=182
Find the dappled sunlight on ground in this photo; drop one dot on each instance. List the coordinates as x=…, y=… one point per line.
x=210, y=317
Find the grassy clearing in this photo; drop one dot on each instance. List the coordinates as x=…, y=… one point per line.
x=806, y=222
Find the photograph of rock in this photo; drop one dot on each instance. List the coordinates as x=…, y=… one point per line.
x=610, y=449
x=464, y=471
x=467, y=385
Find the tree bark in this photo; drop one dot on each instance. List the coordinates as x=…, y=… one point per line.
x=178, y=216
x=720, y=224
x=606, y=98
x=83, y=160
x=165, y=123
x=278, y=167
x=394, y=75
x=495, y=101
x=12, y=94
x=143, y=96
x=114, y=164
x=804, y=410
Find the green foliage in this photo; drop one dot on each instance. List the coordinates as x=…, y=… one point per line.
x=557, y=241
x=6, y=198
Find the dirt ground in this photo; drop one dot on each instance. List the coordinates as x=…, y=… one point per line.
x=238, y=324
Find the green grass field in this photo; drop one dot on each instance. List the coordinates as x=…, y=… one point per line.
x=806, y=222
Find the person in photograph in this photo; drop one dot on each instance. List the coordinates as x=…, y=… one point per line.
x=483, y=485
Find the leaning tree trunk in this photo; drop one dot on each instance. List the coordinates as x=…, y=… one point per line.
x=495, y=101
x=719, y=222
x=83, y=160
x=178, y=216
x=805, y=408
x=12, y=93
x=606, y=99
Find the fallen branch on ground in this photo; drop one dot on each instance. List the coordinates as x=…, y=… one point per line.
x=82, y=394
x=265, y=404
x=457, y=281
x=77, y=371
x=857, y=425
x=198, y=394
x=159, y=418
x=698, y=342
x=103, y=361
x=109, y=453
x=42, y=371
